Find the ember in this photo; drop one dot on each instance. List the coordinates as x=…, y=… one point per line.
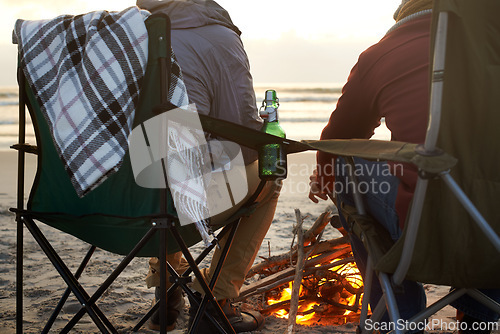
x=331, y=289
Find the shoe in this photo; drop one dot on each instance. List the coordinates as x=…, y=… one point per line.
x=241, y=321
x=175, y=303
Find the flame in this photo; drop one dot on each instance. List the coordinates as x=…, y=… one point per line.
x=281, y=313
x=351, y=275
x=351, y=272
x=350, y=301
x=304, y=318
x=286, y=294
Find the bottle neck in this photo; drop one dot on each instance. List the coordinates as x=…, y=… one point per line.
x=269, y=108
x=271, y=115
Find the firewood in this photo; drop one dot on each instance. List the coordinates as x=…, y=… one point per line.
x=327, y=256
x=284, y=259
x=299, y=272
x=284, y=276
x=246, y=290
x=275, y=307
x=317, y=228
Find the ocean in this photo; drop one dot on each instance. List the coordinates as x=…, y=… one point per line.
x=304, y=111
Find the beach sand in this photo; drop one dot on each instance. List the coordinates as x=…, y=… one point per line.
x=128, y=298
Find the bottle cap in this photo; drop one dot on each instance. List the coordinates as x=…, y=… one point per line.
x=271, y=95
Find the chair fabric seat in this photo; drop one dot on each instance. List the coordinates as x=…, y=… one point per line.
x=118, y=213
x=451, y=249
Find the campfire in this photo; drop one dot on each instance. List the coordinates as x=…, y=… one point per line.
x=332, y=298
x=330, y=290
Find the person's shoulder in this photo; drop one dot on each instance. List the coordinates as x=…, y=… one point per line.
x=218, y=35
x=409, y=33
x=416, y=27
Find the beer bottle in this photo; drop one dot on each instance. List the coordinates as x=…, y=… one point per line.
x=272, y=158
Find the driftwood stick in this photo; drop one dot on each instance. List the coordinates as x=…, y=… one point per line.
x=299, y=272
x=331, y=265
x=353, y=308
x=275, y=307
x=271, y=286
x=284, y=259
x=247, y=289
x=317, y=228
x=325, y=257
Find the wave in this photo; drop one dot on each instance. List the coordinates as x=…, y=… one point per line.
x=8, y=103
x=8, y=93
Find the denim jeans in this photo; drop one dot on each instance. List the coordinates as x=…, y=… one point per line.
x=379, y=190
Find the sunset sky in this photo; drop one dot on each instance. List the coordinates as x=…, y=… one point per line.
x=286, y=40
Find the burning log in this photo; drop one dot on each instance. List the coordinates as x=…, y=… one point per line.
x=287, y=275
x=328, y=286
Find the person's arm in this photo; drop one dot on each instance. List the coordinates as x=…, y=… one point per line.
x=234, y=96
x=354, y=117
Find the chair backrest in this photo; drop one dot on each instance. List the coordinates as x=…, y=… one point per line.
x=118, y=212
x=451, y=249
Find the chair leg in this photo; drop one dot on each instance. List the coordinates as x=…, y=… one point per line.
x=19, y=277
x=179, y=280
x=390, y=300
x=432, y=309
x=66, y=294
x=88, y=303
x=366, y=294
x=213, y=280
x=485, y=300
x=203, y=283
x=70, y=280
x=105, y=285
x=163, y=280
x=20, y=201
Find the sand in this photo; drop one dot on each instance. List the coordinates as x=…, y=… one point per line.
x=128, y=298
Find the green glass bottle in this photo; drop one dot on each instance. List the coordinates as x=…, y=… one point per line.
x=272, y=158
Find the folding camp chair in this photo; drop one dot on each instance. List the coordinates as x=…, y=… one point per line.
x=118, y=216
x=451, y=236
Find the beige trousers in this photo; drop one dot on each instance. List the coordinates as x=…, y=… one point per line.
x=245, y=246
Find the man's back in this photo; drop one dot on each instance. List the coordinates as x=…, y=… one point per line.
x=214, y=63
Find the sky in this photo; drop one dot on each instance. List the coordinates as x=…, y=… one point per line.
x=287, y=41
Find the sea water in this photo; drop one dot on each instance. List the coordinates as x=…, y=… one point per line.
x=305, y=108
x=304, y=111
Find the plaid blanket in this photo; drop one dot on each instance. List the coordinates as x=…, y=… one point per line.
x=86, y=72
